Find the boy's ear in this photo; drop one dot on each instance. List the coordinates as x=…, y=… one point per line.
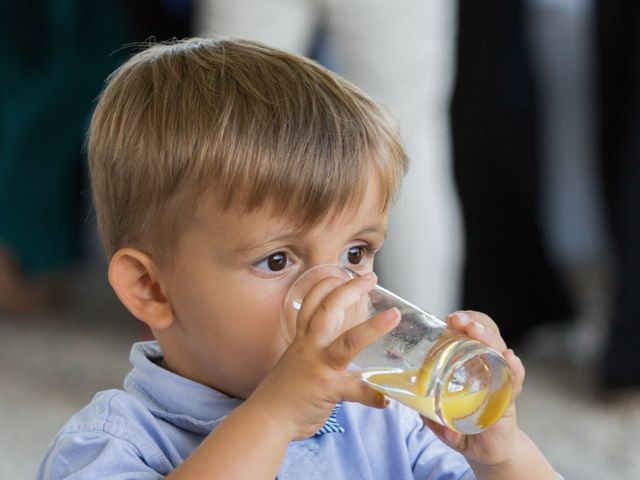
x=133, y=275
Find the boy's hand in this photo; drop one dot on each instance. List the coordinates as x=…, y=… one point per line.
x=495, y=445
x=310, y=378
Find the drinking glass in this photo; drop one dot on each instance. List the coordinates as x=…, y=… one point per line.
x=446, y=376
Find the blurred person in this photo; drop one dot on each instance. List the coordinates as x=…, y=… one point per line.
x=54, y=56
x=507, y=269
x=618, y=54
x=400, y=53
x=562, y=39
x=215, y=187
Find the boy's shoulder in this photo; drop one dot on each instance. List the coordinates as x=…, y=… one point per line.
x=111, y=411
x=113, y=428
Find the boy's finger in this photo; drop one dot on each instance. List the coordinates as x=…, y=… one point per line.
x=479, y=327
x=343, y=349
x=356, y=390
x=330, y=317
x=461, y=319
x=313, y=298
x=517, y=371
x=455, y=440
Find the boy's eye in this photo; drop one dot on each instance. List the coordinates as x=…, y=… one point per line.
x=274, y=262
x=355, y=255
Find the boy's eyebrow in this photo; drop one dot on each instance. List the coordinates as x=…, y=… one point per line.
x=380, y=229
x=249, y=248
x=259, y=244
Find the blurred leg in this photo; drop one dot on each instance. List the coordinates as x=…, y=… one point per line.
x=401, y=53
x=285, y=24
x=619, y=89
x=508, y=272
x=47, y=89
x=561, y=45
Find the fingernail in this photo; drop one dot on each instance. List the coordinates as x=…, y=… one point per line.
x=479, y=326
x=463, y=318
x=369, y=275
x=391, y=314
x=387, y=402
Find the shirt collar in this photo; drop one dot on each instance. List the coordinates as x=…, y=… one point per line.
x=331, y=425
x=183, y=402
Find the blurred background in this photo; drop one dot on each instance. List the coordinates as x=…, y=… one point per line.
x=522, y=122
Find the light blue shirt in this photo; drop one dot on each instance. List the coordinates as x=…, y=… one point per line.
x=147, y=430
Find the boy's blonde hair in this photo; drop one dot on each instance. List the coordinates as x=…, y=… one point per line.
x=249, y=124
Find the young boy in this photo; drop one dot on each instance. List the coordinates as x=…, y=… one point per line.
x=221, y=171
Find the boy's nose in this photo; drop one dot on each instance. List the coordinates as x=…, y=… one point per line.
x=321, y=259
x=324, y=261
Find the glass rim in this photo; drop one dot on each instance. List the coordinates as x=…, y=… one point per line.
x=347, y=273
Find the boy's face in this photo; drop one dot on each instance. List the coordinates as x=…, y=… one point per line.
x=229, y=279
